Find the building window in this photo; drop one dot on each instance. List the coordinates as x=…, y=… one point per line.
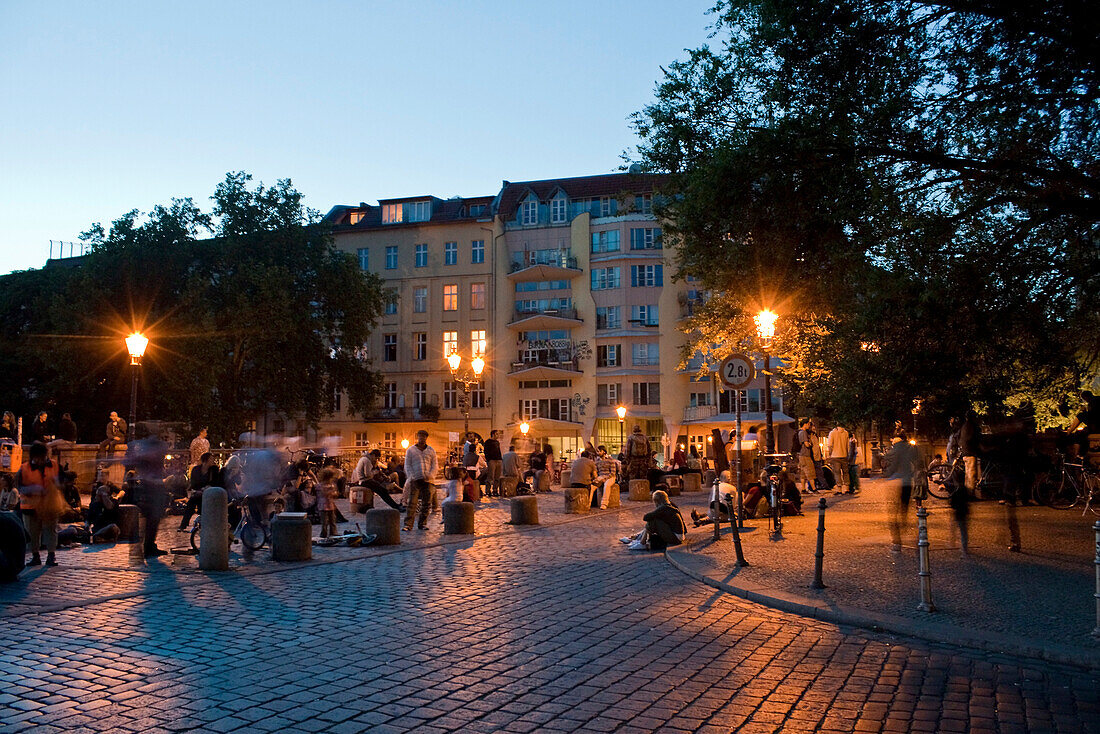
x=450, y=343
x=477, y=296
x=645, y=238
x=364, y=258
x=420, y=394
x=644, y=315
x=605, y=241
x=337, y=401
x=391, y=257
x=389, y=396
x=361, y=439
x=421, y=255
x=478, y=342
x=450, y=395
x=608, y=394
x=389, y=347
x=420, y=339
x=476, y=210
x=450, y=297
x=450, y=253
x=477, y=251
x=647, y=393
x=605, y=278
x=645, y=355
x=391, y=213
x=418, y=211
x=355, y=218
x=608, y=206
x=608, y=355
x=607, y=317
x=529, y=212
x=697, y=399
x=477, y=395
x=555, y=409
x=391, y=303
x=558, y=207
x=420, y=299
x=642, y=276
x=389, y=440
x=644, y=203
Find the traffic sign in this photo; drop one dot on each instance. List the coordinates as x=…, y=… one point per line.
x=737, y=372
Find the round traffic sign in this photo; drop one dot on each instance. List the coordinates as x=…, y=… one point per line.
x=737, y=371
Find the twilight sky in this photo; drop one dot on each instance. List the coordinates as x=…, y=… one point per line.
x=112, y=106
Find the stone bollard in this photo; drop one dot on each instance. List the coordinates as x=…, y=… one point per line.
x=458, y=518
x=214, y=532
x=708, y=477
x=612, y=499
x=542, y=481
x=566, y=477
x=129, y=523
x=819, y=554
x=1096, y=562
x=578, y=500
x=675, y=485
x=525, y=510
x=923, y=569
x=361, y=499
x=508, y=486
x=385, y=522
x=639, y=491
x=693, y=482
x=291, y=537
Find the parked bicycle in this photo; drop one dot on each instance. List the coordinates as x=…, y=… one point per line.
x=252, y=533
x=1071, y=485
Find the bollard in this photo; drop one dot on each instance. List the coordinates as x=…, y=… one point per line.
x=736, y=535
x=214, y=533
x=923, y=571
x=714, y=505
x=1096, y=527
x=820, y=554
x=740, y=507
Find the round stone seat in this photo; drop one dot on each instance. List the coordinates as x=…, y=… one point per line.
x=577, y=500
x=612, y=496
x=385, y=522
x=508, y=486
x=525, y=510
x=675, y=484
x=639, y=491
x=129, y=523
x=693, y=482
x=291, y=537
x=566, y=477
x=458, y=518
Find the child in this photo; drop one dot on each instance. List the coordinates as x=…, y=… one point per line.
x=326, y=501
x=453, y=487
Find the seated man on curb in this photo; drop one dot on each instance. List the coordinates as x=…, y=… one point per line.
x=368, y=473
x=663, y=527
x=607, y=474
x=583, y=474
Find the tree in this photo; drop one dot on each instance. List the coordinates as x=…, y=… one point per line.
x=248, y=308
x=914, y=175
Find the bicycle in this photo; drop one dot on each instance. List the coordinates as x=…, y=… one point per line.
x=775, y=492
x=252, y=534
x=1077, y=483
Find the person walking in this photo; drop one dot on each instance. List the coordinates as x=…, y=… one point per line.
x=853, y=465
x=495, y=461
x=421, y=466
x=199, y=446
x=902, y=463
x=970, y=449
x=837, y=445
x=806, y=468
x=37, y=477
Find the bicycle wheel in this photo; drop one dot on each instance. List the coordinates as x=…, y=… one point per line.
x=992, y=484
x=941, y=490
x=252, y=536
x=195, y=537
x=1063, y=494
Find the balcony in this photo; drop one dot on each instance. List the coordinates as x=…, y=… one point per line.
x=551, y=318
x=396, y=415
x=543, y=370
x=528, y=269
x=700, y=412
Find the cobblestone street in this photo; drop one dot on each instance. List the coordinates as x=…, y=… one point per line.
x=555, y=628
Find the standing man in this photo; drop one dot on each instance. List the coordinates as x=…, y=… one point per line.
x=806, y=468
x=837, y=445
x=199, y=446
x=116, y=432
x=420, y=468
x=970, y=449
x=495, y=461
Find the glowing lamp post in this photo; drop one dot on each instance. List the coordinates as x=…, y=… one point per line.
x=405, y=443
x=135, y=345
x=765, y=328
x=621, y=412
x=467, y=378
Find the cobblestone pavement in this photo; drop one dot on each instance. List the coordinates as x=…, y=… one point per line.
x=556, y=628
x=1039, y=598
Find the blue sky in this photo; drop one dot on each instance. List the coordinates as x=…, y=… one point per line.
x=115, y=106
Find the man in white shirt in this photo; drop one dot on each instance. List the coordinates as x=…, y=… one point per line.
x=837, y=445
x=420, y=468
x=368, y=474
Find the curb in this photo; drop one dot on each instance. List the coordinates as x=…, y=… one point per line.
x=948, y=634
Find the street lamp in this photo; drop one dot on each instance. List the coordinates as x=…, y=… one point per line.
x=405, y=443
x=467, y=379
x=765, y=327
x=621, y=411
x=135, y=345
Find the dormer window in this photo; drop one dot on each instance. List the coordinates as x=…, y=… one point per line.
x=476, y=210
x=355, y=217
x=529, y=212
x=391, y=213
x=558, y=209
x=410, y=211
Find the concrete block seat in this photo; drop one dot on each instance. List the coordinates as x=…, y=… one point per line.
x=675, y=484
x=129, y=523
x=542, y=481
x=639, y=491
x=612, y=500
x=566, y=478
x=385, y=522
x=508, y=486
x=577, y=500
x=458, y=518
x=525, y=510
x=693, y=482
x=291, y=537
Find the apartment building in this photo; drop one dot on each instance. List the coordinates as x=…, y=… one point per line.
x=566, y=288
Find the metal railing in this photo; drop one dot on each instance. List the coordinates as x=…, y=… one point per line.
x=700, y=411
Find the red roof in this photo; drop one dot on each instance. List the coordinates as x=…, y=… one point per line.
x=581, y=187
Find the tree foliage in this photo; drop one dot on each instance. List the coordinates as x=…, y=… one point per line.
x=918, y=178
x=248, y=308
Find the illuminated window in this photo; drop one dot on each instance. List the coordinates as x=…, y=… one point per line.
x=478, y=342
x=450, y=342
x=450, y=297
x=391, y=213
x=477, y=296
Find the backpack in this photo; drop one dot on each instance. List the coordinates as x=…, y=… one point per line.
x=638, y=447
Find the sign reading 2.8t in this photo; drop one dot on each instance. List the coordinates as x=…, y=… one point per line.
x=737, y=372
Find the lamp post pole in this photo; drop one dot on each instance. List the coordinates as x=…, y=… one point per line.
x=135, y=346
x=765, y=327
x=467, y=380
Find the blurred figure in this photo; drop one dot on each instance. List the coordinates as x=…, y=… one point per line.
x=150, y=494
x=199, y=446
x=900, y=465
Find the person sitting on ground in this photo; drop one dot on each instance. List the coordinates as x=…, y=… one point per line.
x=664, y=526
x=103, y=509
x=75, y=510
x=9, y=498
x=718, y=510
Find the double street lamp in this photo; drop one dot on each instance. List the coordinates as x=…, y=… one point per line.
x=135, y=345
x=765, y=328
x=467, y=378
